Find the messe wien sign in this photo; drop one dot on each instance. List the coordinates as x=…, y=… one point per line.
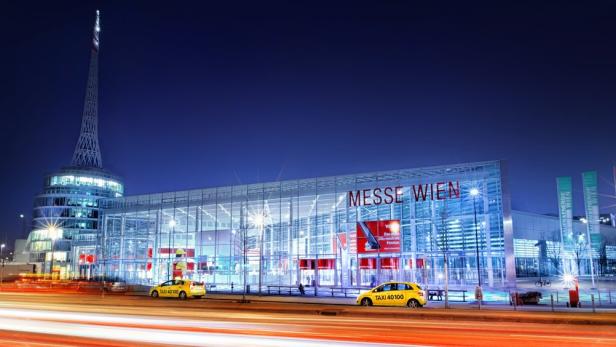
x=395, y=195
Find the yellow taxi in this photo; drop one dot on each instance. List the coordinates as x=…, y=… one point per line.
x=394, y=294
x=179, y=289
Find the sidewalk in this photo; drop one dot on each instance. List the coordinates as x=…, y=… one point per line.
x=434, y=310
x=471, y=305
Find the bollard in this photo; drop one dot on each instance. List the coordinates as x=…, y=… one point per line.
x=609, y=293
x=599, y=294
x=552, y=301
x=592, y=298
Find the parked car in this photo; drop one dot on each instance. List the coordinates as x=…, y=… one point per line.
x=394, y=294
x=116, y=287
x=528, y=298
x=179, y=289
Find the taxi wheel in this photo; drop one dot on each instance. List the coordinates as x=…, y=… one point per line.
x=154, y=294
x=413, y=303
x=366, y=302
x=182, y=295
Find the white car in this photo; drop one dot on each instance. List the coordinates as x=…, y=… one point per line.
x=117, y=287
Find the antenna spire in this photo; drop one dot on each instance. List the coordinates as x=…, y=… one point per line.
x=87, y=151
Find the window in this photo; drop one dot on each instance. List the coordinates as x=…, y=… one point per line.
x=87, y=181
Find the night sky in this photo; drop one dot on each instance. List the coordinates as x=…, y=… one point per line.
x=208, y=94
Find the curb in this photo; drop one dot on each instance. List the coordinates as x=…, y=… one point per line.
x=346, y=310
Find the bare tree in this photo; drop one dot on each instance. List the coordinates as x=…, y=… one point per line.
x=579, y=250
x=554, y=254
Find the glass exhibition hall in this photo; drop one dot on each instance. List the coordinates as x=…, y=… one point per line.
x=339, y=231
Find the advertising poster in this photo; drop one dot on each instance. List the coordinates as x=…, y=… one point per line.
x=378, y=236
x=565, y=210
x=591, y=204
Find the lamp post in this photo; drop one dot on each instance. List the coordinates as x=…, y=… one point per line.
x=172, y=224
x=23, y=224
x=244, y=268
x=53, y=234
x=259, y=222
x=1, y=269
x=244, y=230
x=474, y=193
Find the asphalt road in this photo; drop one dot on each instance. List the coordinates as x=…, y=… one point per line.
x=29, y=319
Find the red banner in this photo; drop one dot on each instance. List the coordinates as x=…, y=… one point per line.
x=326, y=264
x=390, y=263
x=386, y=263
x=367, y=263
x=420, y=263
x=188, y=252
x=87, y=259
x=378, y=236
x=306, y=264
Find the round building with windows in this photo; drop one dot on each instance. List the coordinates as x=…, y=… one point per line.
x=65, y=220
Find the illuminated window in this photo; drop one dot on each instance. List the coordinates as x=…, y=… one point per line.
x=87, y=181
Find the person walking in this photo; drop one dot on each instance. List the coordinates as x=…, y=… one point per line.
x=302, y=292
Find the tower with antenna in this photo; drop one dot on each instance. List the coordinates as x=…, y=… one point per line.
x=87, y=151
x=65, y=221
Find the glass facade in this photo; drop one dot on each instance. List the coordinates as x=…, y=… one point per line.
x=87, y=181
x=352, y=230
x=539, y=251
x=66, y=221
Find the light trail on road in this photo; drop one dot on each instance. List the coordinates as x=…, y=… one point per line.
x=138, y=321
x=166, y=337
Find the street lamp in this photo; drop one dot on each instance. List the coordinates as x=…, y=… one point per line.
x=23, y=224
x=54, y=233
x=474, y=193
x=172, y=224
x=2, y=269
x=258, y=220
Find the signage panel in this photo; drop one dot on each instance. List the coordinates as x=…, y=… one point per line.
x=565, y=210
x=394, y=195
x=591, y=204
x=378, y=236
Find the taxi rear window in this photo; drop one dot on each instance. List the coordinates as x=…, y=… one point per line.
x=197, y=283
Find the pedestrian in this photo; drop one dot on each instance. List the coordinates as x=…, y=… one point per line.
x=302, y=292
x=478, y=294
